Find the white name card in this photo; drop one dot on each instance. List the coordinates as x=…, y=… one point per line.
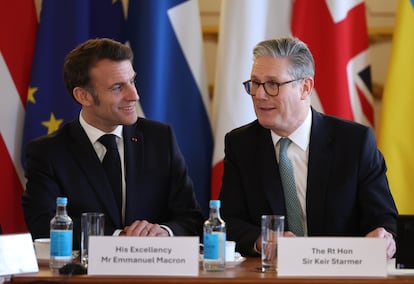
x=332, y=256
x=17, y=254
x=112, y=255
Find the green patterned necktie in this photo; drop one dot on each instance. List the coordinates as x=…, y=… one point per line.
x=293, y=209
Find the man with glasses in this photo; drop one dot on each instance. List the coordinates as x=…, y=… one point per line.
x=339, y=175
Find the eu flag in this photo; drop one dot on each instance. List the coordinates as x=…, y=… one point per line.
x=63, y=25
x=166, y=39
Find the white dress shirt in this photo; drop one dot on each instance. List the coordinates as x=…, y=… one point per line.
x=298, y=153
x=94, y=134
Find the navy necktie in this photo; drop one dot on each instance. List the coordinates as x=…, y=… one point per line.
x=293, y=209
x=112, y=165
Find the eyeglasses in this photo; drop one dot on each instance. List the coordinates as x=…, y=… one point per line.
x=271, y=87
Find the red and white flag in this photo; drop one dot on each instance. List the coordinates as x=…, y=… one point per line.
x=336, y=33
x=18, y=25
x=243, y=24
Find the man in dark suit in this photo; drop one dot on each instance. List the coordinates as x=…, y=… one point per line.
x=339, y=174
x=156, y=195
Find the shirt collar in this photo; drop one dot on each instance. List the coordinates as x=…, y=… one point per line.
x=94, y=133
x=301, y=135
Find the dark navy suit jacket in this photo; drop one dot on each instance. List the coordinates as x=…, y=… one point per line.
x=158, y=188
x=347, y=188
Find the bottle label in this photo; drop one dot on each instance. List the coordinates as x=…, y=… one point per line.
x=214, y=245
x=60, y=243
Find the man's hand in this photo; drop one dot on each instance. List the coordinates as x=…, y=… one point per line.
x=382, y=233
x=144, y=229
x=377, y=233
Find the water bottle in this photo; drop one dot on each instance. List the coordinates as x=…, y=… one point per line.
x=61, y=230
x=214, y=236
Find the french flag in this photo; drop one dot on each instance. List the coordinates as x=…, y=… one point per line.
x=243, y=23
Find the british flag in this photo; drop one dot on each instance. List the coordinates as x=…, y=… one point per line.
x=336, y=33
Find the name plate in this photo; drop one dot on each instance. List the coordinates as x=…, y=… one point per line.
x=332, y=256
x=169, y=256
x=17, y=255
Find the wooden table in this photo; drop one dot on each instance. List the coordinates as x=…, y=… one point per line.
x=245, y=272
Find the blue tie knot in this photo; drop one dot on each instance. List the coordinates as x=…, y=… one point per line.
x=284, y=144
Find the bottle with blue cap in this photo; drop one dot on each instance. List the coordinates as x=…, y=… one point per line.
x=61, y=231
x=214, y=239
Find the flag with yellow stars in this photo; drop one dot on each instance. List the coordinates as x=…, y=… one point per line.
x=63, y=25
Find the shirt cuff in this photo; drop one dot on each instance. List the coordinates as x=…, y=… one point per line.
x=255, y=248
x=170, y=232
x=117, y=232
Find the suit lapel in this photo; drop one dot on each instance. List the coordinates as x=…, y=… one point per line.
x=319, y=164
x=89, y=163
x=269, y=171
x=133, y=146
